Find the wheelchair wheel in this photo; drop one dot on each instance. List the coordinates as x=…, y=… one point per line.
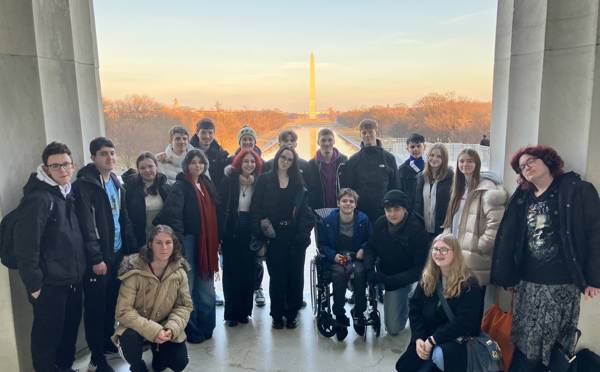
x=314, y=300
x=341, y=333
x=326, y=325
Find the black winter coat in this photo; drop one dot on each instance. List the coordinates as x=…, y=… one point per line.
x=135, y=198
x=181, y=211
x=312, y=177
x=401, y=256
x=407, y=180
x=579, y=213
x=442, y=199
x=264, y=205
x=217, y=158
x=371, y=172
x=427, y=318
x=50, y=246
x=96, y=219
x=229, y=196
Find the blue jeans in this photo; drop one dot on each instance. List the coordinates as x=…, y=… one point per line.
x=395, y=309
x=203, y=318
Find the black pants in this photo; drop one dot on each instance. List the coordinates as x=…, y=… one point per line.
x=520, y=363
x=171, y=355
x=56, y=317
x=339, y=278
x=286, y=270
x=100, y=300
x=238, y=276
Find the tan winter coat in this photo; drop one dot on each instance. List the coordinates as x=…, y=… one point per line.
x=479, y=224
x=147, y=304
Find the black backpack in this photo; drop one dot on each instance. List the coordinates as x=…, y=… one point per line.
x=7, y=239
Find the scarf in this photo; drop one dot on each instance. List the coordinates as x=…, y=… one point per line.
x=416, y=164
x=328, y=174
x=208, y=241
x=44, y=177
x=429, y=199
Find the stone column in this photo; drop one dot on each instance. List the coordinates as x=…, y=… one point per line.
x=51, y=91
x=553, y=96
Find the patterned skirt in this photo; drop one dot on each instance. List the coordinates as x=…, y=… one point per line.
x=543, y=315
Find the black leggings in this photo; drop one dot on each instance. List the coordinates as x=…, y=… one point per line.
x=166, y=355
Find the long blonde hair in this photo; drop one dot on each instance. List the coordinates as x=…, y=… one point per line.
x=459, y=184
x=442, y=172
x=457, y=275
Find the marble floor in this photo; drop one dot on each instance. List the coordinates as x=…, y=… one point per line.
x=258, y=347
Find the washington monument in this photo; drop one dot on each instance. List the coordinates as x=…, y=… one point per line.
x=312, y=109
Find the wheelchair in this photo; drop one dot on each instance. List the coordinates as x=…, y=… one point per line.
x=321, y=293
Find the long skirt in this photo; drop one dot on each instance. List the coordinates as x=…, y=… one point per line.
x=238, y=276
x=542, y=316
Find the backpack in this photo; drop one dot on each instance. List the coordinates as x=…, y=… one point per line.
x=7, y=239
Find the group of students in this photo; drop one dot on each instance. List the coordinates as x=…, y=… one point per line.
x=145, y=252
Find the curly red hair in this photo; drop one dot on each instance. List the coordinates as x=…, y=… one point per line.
x=546, y=153
x=239, y=158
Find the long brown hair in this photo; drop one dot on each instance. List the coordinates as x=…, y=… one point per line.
x=146, y=253
x=459, y=184
x=431, y=175
x=432, y=273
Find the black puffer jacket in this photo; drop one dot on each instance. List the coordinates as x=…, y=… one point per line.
x=264, y=205
x=135, y=198
x=217, y=157
x=407, y=180
x=181, y=211
x=51, y=249
x=579, y=212
x=402, y=255
x=96, y=219
x=371, y=172
x=442, y=199
x=312, y=177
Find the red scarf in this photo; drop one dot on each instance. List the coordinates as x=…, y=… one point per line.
x=208, y=241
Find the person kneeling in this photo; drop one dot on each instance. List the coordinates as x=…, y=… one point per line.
x=434, y=344
x=154, y=304
x=343, y=235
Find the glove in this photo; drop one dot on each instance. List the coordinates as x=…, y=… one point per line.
x=375, y=277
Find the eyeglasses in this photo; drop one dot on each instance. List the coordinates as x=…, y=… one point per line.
x=443, y=251
x=286, y=159
x=64, y=166
x=527, y=163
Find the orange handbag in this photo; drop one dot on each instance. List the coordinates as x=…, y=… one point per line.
x=498, y=324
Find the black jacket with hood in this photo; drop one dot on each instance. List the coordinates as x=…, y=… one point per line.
x=217, y=157
x=96, y=219
x=50, y=246
x=579, y=213
x=135, y=200
x=371, y=172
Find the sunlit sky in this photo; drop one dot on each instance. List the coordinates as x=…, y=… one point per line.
x=254, y=54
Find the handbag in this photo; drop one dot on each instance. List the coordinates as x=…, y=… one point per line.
x=560, y=359
x=498, y=324
x=483, y=353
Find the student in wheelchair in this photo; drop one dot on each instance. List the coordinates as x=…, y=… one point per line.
x=341, y=238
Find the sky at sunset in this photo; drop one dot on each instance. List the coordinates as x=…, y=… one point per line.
x=254, y=54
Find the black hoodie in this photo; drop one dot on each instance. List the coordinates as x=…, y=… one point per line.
x=96, y=219
x=50, y=246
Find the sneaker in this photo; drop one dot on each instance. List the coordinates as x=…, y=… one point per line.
x=278, y=323
x=291, y=323
x=244, y=320
x=100, y=365
x=259, y=298
x=231, y=323
x=359, y=322
x=219, y=301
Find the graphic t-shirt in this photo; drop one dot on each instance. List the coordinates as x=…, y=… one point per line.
x=114, y=198
x=545, y=262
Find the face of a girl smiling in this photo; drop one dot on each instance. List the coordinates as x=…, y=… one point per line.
x=442, y=254
x=147, y=170
x=286, y=158
x=248, y=164
x=435, y=159
x=466, y=164
x=162, y=247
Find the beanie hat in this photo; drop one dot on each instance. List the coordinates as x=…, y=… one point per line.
x=396, y=198
x=246, y=131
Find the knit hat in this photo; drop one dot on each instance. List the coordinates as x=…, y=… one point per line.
x=246, y=131
x=396, y=198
